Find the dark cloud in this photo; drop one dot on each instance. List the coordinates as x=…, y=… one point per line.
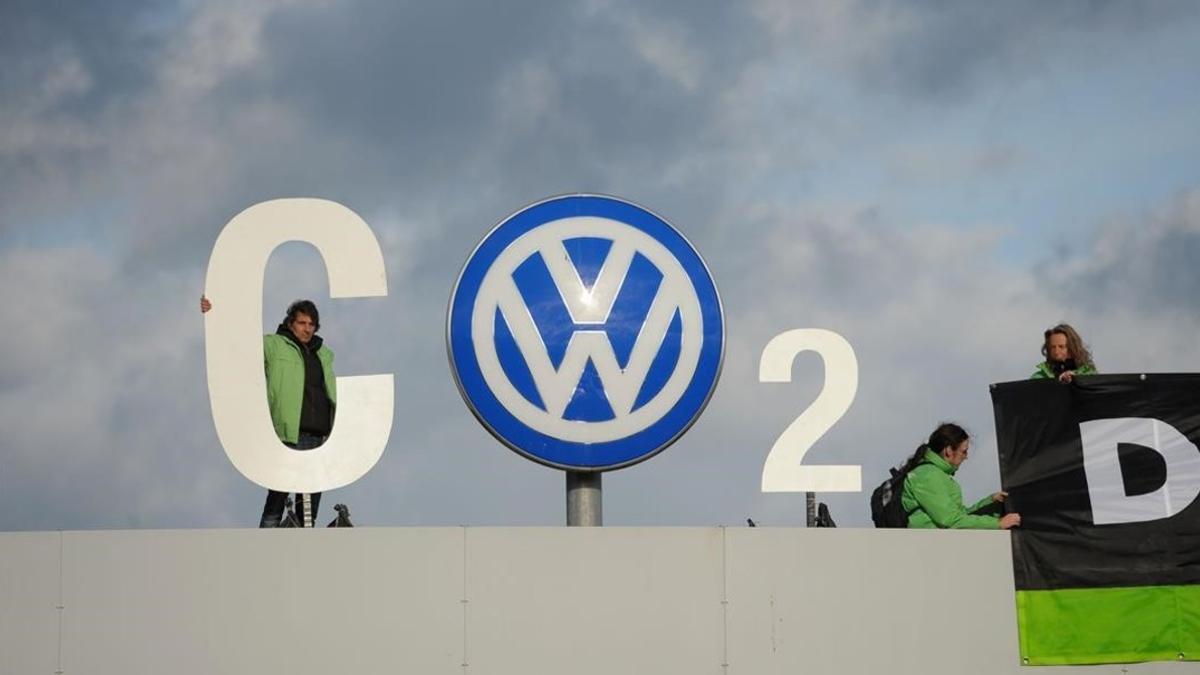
x=67, y=68
x=946, y=51
x=524, y=100
x=139, y=133
x=952, y=46
x=118, y=41
x=1151, y=264
x=387, y=106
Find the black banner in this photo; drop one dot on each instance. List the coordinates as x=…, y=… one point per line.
x=1105, y=473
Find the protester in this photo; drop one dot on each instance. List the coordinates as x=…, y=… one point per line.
x=931, y=496
x=301, y=395
x=1066, y=355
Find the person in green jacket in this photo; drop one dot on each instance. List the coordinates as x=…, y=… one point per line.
x=301, y=396
x=1066, y=355
x=931, y=496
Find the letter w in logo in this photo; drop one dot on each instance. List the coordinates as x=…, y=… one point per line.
x=587, y=329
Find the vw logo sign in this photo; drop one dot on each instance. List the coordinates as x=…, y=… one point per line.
x=585, y=333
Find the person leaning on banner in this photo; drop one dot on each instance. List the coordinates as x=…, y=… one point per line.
x=301, y=394
x=931, y=496
x=1066, y=355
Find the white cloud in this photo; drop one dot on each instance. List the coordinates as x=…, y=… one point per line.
x=32, y=123
x=845, y=35
x=103, y=390
x=666, y=48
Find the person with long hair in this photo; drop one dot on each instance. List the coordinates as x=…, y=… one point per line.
x=1066, y=355
x=931, y=496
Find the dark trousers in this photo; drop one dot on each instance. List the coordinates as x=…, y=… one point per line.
x=273, y=509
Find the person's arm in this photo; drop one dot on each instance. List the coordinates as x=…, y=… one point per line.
x=936, y=494
x=987, y=502
x=331, y=382
x=1085, y=369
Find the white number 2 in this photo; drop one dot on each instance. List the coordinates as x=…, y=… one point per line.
x=783, y=471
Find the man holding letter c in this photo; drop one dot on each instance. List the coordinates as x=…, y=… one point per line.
x=301, y=395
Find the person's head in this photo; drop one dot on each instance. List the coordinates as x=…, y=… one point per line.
x=1062, y=343
x=303, y=320
x=951, y=442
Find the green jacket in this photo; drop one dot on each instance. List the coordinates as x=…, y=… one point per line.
x=1044, y=372
x=933, y=498
x=285, y=382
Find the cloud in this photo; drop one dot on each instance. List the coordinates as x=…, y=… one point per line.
x=1144, y=260
x=934, y=317
x=945, y=51
x=129, y=138
x=99, y=398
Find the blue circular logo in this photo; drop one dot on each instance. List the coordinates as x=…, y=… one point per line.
x=585, y=333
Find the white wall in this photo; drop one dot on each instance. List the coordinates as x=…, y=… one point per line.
x=512, y=600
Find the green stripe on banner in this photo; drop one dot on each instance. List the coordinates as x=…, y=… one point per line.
x=1109, y=625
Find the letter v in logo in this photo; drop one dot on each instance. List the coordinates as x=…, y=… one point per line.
x=585, y=333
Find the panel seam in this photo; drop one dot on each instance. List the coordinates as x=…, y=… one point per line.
x=60, y=606
x=464, y=601
x=724, y=600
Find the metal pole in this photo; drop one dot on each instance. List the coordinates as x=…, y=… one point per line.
x=810, y=504
x=585, y=506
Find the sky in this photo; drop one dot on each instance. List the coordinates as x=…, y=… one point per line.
x=936, y=182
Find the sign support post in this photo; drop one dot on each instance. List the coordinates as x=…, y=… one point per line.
x=585, y=503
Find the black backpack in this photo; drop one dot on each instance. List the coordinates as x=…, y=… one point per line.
x=886, y=509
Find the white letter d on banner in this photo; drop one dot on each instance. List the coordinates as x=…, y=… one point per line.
x=1106, y=486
